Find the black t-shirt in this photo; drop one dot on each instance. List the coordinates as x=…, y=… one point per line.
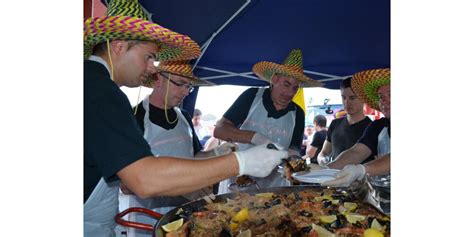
x=343, y=135
x=157, y=117
x=371, y=134
x=112, y=138
x=239, y=110
x=318, y=141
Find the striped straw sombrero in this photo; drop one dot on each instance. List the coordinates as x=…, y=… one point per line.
x=180, y=68
x=291, y=67
x=126, y=20
x=366, y=83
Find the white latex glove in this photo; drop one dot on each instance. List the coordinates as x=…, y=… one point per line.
x=224, y=148
x=259, y=161
x=346, y=176
x=259, y=139
x=322, y=160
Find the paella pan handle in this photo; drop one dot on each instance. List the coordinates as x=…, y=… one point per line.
x=122, y=222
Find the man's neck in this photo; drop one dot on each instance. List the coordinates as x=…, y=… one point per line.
x=106, y=62
x=355, y=118
x=156, y=101
x=279, y=107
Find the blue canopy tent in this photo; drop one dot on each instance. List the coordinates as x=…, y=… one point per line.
x=337, y=38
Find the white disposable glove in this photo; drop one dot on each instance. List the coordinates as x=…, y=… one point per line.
x=259, y=139
x=322, y=160
x=259, y=161
x=224, y=148
x=346, y=176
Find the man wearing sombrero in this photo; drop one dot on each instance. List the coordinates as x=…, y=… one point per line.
x=262, y=115
x=120, y=50
x=344, y=132
x=169, y=130
x=372, y=87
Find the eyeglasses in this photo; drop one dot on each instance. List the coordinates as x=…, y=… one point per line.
x=189, y=87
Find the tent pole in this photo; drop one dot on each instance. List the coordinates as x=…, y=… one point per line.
x=208, y=42
x=319, y=73
x=229, y=73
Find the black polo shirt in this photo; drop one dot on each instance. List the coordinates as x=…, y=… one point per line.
x=112, y=138
x=371, y=134
x=239, y=110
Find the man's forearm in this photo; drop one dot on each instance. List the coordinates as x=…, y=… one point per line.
x=354, y=155
x=379, y=166
x=311, y=151
x=226, y=131
x=165, y=176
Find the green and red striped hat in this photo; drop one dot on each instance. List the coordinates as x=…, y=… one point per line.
x=180, y=68
x=366, y=83
x=292, y=67
x=127, y=20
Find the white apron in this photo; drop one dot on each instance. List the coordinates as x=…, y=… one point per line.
x=383, y=146
x=176, y=142
x=277, y=130
x=100, y=210
x=381, y=196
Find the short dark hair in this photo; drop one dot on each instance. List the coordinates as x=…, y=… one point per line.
x=197, y=112
x=346, y=83
x=101, y=48
x=320, y=120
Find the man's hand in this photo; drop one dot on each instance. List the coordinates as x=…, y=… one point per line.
x=346, y=176
x=259, y=161
x=224, y=149
x=259, y=139
x=323, y=160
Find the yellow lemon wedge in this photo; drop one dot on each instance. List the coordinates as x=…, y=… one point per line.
x=372, y=233
x=233, y=225
x=328, y=219
x=242, y=215
x=376, y=225
x=353, y=218
x=266, y=195
x=351, y=206
x=322, y=232
x=172, y=226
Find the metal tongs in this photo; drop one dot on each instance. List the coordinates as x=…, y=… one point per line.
x=209, y=198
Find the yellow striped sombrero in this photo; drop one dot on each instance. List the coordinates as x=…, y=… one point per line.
x=126, y=20
x=291, y=67
x=180, y=68
x=366, y=83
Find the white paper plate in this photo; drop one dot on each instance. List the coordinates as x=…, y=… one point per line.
x=315, y=176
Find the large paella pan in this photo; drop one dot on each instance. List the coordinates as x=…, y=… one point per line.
x=280, y=211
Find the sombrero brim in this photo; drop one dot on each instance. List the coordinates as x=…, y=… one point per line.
x=194, y=80
x=265, y=70
x=366, y=83
x=101, y=29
